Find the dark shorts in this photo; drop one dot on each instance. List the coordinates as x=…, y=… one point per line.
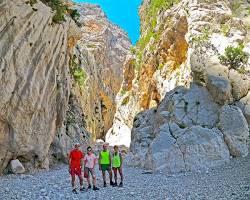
x=76, y=171
x=105, y=167
x=88, y=171
x=119, y=169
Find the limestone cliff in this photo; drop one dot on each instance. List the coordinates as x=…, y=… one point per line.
x=185, y=92
x=101, y=52
x=34, y=79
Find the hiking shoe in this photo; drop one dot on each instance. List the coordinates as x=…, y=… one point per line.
x=74, y=191
x=104, y=184
x=95, y=188
x=111, y=183
x=121, y=184
x=82, y=189
x=89, y=187
x=114, y=184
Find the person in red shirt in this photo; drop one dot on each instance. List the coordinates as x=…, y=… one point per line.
x=75, y=166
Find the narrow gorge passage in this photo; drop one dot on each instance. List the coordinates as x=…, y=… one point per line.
x=175, y=100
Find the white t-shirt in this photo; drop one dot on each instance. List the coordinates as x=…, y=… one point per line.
x=90, y=160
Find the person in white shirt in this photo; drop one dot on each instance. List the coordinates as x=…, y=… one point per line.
x=89, y=168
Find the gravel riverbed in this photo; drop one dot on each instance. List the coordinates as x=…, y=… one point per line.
x=227, y=182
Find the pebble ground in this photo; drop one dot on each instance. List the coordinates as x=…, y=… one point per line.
x=230, y=182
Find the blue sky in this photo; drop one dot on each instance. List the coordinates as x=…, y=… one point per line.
x=124, y=13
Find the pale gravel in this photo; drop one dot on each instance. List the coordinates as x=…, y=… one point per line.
x=229, y=182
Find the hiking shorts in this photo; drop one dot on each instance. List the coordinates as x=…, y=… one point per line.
x=105, y=167
x=88, y=171
x=76, y=171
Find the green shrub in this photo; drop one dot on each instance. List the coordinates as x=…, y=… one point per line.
x=151, y=19
x=160, y=66
x=59, y=15
x=77, y=72
x=156, y=5
x=123, y=92
x=133, y=50
x=201, y=38
x=75, y=15
x=225, y=29
x=125, y=100
x=32, y=2
x=60, y=9
x=234, y=57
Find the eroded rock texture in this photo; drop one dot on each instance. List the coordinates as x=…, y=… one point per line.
x=101, y=52
x=186, y=109
x=34, y=80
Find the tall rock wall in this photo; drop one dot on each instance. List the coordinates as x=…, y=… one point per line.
x=182, y=96
x=34, y=80
x=101, y=52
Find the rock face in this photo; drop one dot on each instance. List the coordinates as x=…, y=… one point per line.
x=235, y=129
x=43, y=108
x=16, y=167
x=34, y=80
x=176, y=102
x=101, y=52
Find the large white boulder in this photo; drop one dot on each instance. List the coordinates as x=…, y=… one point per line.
x=203, y=148
x=235, y=129
x=16, y=167
x=199, y=148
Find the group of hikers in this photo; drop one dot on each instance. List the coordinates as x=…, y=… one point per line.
x=78, y=161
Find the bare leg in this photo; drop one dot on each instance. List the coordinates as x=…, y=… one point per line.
x=110, y=176
x=104, y=176
x=73, y=181
x=88, y=180
x=121, y=174
x=94, y=180
x=115, y=174
x=81, y=181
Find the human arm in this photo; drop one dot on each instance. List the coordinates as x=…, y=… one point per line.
x=82, y=160
x=99, y=161
x=110, y=159
x=121, y=159
x=69, y=160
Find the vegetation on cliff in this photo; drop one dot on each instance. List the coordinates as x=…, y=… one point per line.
x=152, y=11
x=60, y=8
x=77, y=72
x=235, y=58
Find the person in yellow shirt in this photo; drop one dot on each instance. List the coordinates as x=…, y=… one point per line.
x=117, y=165
x=105, y=164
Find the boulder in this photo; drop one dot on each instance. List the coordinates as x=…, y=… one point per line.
x=234, y=127
x=199, y=148
x=244, y=105
x=16, y=167
x=191, y=107
x=240, y=84
x=220, y=88
x=203, y=148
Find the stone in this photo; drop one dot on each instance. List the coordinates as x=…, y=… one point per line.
x=240, y=84
x=16, y=167
x=199, y=148
x=244, y=105
x=192, y=107
x=203, y=148
x=234, y=127
x=45, y=164
x=220, y=88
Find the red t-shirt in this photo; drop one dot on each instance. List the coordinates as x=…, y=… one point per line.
x=76, y=156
